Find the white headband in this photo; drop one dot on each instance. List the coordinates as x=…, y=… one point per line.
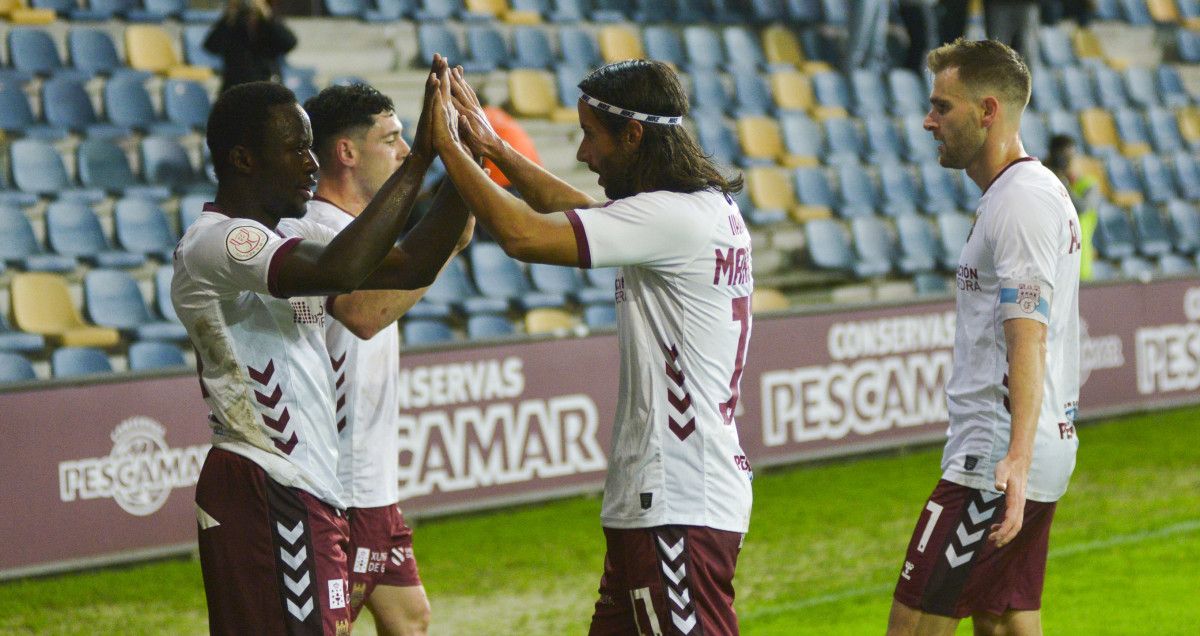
x=616, y=110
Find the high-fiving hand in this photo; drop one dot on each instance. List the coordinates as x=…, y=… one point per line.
x=474, y=128
x=438, y=117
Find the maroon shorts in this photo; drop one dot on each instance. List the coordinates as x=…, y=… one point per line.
x=381, y=552
x=273, y=557
x=667, y=580
x=951, y=569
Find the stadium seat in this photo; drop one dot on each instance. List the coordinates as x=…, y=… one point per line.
x=150, y=49
x=870, y=94
x=1126, y=188
x=92, y=51
x=142, y=228
x=709, y=95
x=953, y=231
x=601, y=278
x=13, y=340
x=186, y=104
x=17, y=12
x=802, y=138
x=489, y=326
x=858, y=196
x=1045, y=96
x=15, y=368
x=1114, y=237
x=152, y=356
x=1187, y=44
x=498, y=276
x=41, y=303
x=190, y=208
x=874, y=247
x=579, y=48
x=419, y=332
x=544, y=320
x=828, y=245
x=16, y=115
x=941, y=194
x=1153, y=237
x=664, y=43
x=37, y=168
x=718, y=140
x=899, y=189
x=301, y=85
x=1140, y=86
x=908, y=93
x=437, y=10
x=1187, y=175
x=921, y=145
x=1189, y=126
x=1099, y=130
x=760, y=138
x=1110, y=88
x=1131, y=129
x=104, y=166
x=194, y=53
x=1164, y=130
x=71, y=362
x=883, y=140
x=532, y=93
x=1077, y=88
x=72, y=229
x=842, y=141
x=814, y=193
x=753, y=94
x=488, y=48
x=969, y=200
x=556, y=279
x=65, y=104
x=1056, y=48
x=1170, y=87
x=600, y=316
x=744, y=54
x=19, y=245
x=830, y=89
x=33, y=51
x=165, y=162
x=527, y=11
x=531, y=48
x=704, y=50
x=918, y=246
x=1137, y=268
x=1176, y=265
x=156, y=11
x=781, y=48
x=1065, y=122
x=435, y=37
x=652, y=11
x=1159, y=186
x=792, y=91
x=1033, y=134
x=770, y=189
x=346, y=8
x=486, y=9
x=1103, y=270
x=127, y=104
x=929, y=284
x=113, y=300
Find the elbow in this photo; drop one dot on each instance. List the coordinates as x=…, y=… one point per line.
x=363, y=331
x=517, y=247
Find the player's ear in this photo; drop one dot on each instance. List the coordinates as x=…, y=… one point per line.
x=241, y=159
x=345, y=151
x=991, y=111
x=632, y=133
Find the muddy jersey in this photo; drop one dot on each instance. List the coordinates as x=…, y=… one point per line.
x=261, y=358
x=1021, y=261
x=683, y=323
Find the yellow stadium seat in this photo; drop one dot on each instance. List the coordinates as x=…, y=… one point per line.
x=41, y=303
x=549, y=320
x=532, y=93
x=760, y=137
x=494, y=8
x=1163, y=11
x=804, y=213
x=767, y=299
x=618, y=42
x=18, y=12
x=1098, y=128
x=780, y=46
x=793, y=91
x=149, y=48
x=1189, y=123
x=770, y=188
x=1087, y=46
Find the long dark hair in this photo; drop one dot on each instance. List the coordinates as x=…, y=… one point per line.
x=669, y=157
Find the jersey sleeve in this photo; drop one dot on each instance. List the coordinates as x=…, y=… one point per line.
x=309, y=229
x=640, y=230
x=237, y=256
x=1025, y=234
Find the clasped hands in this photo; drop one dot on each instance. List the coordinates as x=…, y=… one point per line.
x=452, y=116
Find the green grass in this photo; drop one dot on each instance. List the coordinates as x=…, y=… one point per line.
x=822, y=556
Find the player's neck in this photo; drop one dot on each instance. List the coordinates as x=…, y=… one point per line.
x=243, y=205
x=343, y=193
x=994, y=157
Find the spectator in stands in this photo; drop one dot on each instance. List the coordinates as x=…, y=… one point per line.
x=920, y=20
x=1015, y=23
x=253, y=292
x=251, y=40
x=866, y=42
x=1085, y=194
x=979, y=548
x=678, y=488
x=1080, y=11
x=357, y=138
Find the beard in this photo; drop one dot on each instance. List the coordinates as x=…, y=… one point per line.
x=619, y=178
x=964, y=150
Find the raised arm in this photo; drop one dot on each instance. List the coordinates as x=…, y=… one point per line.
x=542, y=190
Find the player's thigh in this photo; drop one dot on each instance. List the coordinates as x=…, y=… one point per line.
x=400, y=611
x=1011, y=623
x=908, y=621
x=381, y=553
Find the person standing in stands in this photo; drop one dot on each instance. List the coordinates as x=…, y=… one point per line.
x=357, y=138
x=251, y=40
x=1085, y=194
x=677, y=496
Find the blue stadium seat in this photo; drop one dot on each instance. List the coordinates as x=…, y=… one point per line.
x=813, y=189
x=194, y=52
x=802, y=137
x=805, y=11
x=1164, y=130
x=718, y=140
x=1137, y=268
x=920, y=142
x=874, y=247
x=883, y=140
x=753, y=94
x=488, y=49
x=72, y=229
x=531, y=48
x=165, y=162
x=970, y=191
x=1110, y=88
x=15, y=368
x=1153, y=236
x=567, y=79
x=611, y=10
x=300, y=82
x=1065, y=122
x=489, y=326
x=1114, y=237
x=1121, y=175
x=1187, y=175
x=100, y=10
x=1077, y=88
x=941, y=193
x=1176, y=265
x=1033, y=134
x=539, y=7
x=162, y=293
x=1187, y=43
x=1159, y=187
x=1130, y=126
x=186, y=103
x=1103, y=270
x=908, y=93
x=435, y=37
x=152, y=356
x=579, y=48
x=899, y=189
x=870, y=94
x=1046, y=97
x=704, y=50
x=498, y=276
x=70, y=362
x=93, y=52
x=346, y=8
x=13, y=340
x=1185, y=226
x=653, y=11
x=953, y=231
x=1140, y=86
x=822, y=44
x=709, y=95
x=19, y=245
x=190, y=208
x=434, y=10
x=570, y=11
x=1056, y=48
x=601, y=278
x=33, y=51
x=918, y=246
x=664, y=43
x=104, y=166
x=453, y=288
x=768, y=10
x=392, y=10
x=600, y=316
x=828, y=245
x=158, y=10
x=16, y=116
x=37, y=168
x=142, y=228
x=1170, y=87
x=829, y=87
x=1135, y=12
x=744, y=52
x=858, y=197
x=688, y=11
x=728, y=11
x=842, y=140
x=127, y=104
x=113, y=300
x=420, y=331
x=66, y=104
x=930, y=284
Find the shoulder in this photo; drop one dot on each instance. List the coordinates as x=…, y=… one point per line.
x=307, y=227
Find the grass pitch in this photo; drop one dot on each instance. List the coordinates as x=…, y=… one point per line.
x=822, y=556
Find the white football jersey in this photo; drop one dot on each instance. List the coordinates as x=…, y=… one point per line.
x=368, y=398
x=683, y=322
x=261, y=359
x=1020, y=261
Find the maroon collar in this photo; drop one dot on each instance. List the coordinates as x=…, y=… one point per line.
x=211, y=206
x=1010, y=164
x=317, y=197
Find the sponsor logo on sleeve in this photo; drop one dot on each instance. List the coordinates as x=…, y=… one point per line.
x=244, y=242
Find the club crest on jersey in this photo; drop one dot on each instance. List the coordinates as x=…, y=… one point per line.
x=1028, y=297
x=244, y=242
